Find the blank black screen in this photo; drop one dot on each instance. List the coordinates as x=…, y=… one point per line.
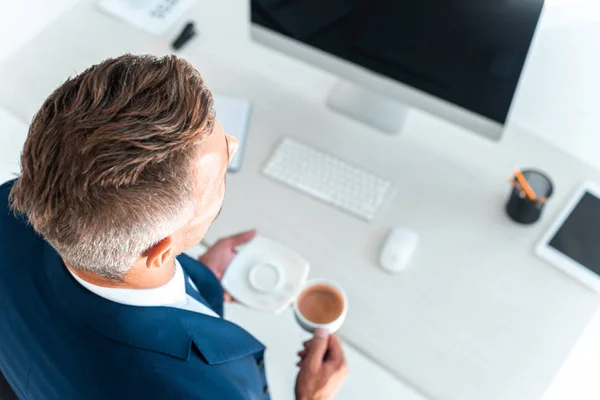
x=468, y=52
x=579, y=235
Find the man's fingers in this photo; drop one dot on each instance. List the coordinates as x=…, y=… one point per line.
x=317, y=349
x=335, y=352
x=242, y=238
x=228, y=298
x=321, y=332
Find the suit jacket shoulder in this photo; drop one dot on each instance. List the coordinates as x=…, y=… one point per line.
x=60, y=341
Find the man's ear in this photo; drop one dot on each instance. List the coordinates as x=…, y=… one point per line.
x=160, y=253
x=233, y=144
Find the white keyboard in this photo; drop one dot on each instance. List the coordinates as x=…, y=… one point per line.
x=328, y=178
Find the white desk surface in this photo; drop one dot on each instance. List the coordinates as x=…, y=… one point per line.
x=479, y=316
x=283, y=337
x=366, y=381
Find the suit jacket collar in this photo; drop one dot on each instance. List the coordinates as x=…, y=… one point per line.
x=165, y=330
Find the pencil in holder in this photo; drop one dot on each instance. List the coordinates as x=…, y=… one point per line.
x=523, y=209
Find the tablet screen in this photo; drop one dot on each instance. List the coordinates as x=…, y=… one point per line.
x=579, y=236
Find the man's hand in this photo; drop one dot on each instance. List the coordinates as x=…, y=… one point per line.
x=323, y=368
x=218, y=257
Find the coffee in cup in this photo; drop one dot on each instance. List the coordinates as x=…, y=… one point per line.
x=321, y=304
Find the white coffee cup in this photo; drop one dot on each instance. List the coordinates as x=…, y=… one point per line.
x=331, y=326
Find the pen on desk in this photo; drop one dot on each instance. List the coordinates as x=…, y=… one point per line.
x=517, y=186
x=186, y=34
x=522, y=194
x=525, y=185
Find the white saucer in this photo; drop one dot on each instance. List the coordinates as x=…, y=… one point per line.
x=266, y=275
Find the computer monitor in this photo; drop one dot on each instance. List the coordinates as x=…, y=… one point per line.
x=458, y=59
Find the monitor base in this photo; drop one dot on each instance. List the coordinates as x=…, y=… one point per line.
x=367, y=106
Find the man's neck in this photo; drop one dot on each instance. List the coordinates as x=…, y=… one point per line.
x=137, y=278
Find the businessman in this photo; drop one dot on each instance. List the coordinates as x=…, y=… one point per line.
x=123, y=169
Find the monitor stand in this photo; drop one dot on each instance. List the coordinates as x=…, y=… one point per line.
x=367, y=106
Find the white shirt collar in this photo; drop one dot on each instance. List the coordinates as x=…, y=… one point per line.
x=171, y=293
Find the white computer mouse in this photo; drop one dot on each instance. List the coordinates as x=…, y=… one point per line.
x=398, y=249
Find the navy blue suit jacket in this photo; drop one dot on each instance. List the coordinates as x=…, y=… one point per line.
x=60, y=341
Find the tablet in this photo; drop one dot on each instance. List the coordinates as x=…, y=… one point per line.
x=572, y=243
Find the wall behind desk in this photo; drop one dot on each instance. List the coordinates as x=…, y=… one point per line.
x=559, y=93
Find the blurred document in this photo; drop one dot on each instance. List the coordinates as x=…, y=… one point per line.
x=154, y=16
x=13, y=132
x=234, y=115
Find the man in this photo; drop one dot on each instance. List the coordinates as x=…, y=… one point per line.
x=123, y=169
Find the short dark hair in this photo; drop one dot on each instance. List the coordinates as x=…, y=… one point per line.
x=107, y=164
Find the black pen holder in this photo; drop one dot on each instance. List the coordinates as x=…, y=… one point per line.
x=524, y=210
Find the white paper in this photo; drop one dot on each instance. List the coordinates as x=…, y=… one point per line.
x=234, y=115
x=13, y=132
x=154, y=16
